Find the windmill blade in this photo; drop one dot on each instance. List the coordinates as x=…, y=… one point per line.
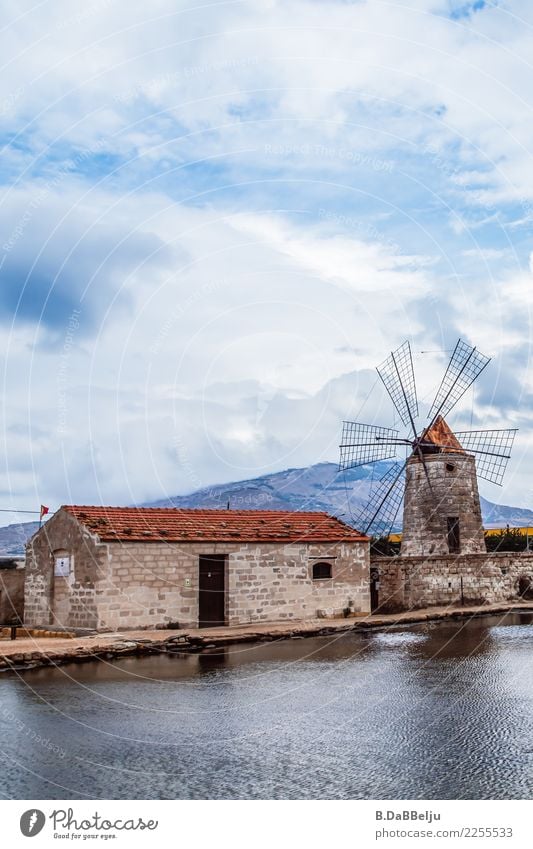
x=465, y=366
x=398, y=377
x=380, y=511
x=492, y=449
x=363, y=443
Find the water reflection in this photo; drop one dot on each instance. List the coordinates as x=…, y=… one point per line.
x=433, y=711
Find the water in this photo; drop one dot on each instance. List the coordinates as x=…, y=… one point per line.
x=432, y=711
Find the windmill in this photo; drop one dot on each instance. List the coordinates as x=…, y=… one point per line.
x=437, y=482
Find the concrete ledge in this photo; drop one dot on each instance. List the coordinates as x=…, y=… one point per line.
x=33, y=652
x=35, y=632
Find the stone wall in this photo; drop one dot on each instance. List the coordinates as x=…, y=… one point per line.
x=68, y=602
x=152, y=584
x=408, y=583
x=122, y=585
x=272, y=583
x=12, y=594
x=149, y=584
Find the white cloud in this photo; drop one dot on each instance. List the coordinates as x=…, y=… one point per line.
x=292, y=71
x=222, y=365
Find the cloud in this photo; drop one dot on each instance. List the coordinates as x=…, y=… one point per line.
x=250, y=208
x=224, y=364
x=176, y=83
x=352, y=264
x=63, y=253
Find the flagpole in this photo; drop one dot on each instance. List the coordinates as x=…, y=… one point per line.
x=43, y=511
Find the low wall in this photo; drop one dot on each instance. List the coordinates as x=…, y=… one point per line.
x=409, y=583
x=11, y=595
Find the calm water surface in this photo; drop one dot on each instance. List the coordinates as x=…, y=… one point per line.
x=433, y=711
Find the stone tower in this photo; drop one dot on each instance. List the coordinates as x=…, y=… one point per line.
x=442, y=516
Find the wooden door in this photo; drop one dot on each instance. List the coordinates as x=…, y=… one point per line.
x=211, y=585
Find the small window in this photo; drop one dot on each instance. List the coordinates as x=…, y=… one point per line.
x=450, y=467
x=62, y=566
x=454, y=538
x=321, y=571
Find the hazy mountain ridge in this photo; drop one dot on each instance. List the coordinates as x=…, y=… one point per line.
x=14, y=537
x=317, y=487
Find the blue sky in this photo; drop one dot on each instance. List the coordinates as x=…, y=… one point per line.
x=216, y=219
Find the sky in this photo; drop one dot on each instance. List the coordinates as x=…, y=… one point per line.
x=216, y=219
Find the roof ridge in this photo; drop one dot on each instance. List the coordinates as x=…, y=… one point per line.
x=221, y=510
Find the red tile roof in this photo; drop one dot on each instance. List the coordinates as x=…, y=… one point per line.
x=153, y=524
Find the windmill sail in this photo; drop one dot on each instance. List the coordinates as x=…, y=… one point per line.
x=363, y=443
x=398, y=377
x=492, y=449
x=466, y=364
x=381, y=510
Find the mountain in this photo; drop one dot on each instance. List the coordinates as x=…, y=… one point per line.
x=13, y=537
x=318, y=487
x=500, y=515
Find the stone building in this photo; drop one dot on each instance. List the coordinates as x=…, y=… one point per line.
x=442, y=512
x=121, y=567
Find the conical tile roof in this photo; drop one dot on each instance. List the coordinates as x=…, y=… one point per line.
x=440, y=435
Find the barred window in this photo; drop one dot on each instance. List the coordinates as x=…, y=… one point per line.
x=321, y=571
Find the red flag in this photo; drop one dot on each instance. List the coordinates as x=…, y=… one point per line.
x=44, y=510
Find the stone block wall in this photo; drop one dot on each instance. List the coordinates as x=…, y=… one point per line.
x=149, y=584
x=408, y=583
x=153, y=584
x=273, y=583
x=68, y=602
x=12, y=594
